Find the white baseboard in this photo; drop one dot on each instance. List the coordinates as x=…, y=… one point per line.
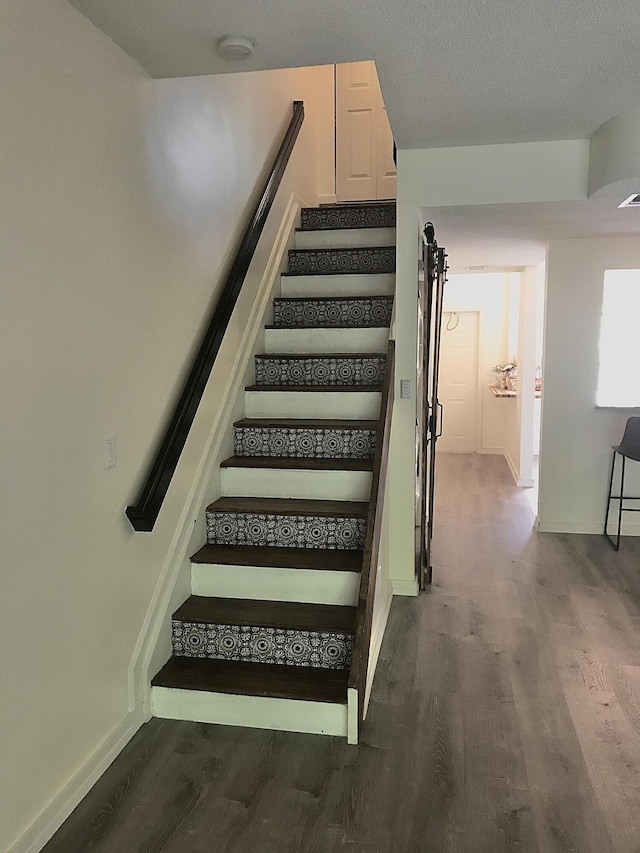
x=399, y=587
x=511, y=465
x=523, y=482
x=492, y=451
x=327, y=199
x=54, y=815
x=594, y=528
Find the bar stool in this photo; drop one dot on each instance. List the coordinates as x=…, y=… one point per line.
x=629, y=448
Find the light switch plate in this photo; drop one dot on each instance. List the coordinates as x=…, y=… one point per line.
x=109, y=448
x=405, y=389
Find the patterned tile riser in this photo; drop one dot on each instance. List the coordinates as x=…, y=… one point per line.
x=285, y=531
x=318, y=261
x=305, y=443
x=262, y=645
x=320, y=371
x=367, y=216
x=338, y=312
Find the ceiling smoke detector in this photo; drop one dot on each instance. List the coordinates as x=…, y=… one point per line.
x=235, y=47
x=632, y=201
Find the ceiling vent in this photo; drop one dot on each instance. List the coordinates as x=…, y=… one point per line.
x=632, y=201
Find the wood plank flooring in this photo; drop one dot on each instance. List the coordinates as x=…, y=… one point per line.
x=505, y=716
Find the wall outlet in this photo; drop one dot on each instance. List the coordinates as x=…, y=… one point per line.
x=109, y=451
x=405, y=389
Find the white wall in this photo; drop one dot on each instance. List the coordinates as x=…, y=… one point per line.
x=576, y=438
x=615, y=154
x=121, y=197
x=494, y=174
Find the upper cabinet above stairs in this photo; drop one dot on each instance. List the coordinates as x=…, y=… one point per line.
x=267, y=637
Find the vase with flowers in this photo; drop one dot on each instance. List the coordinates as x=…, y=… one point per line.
x=505, y=374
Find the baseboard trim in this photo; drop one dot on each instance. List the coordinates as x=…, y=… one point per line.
x=54, y=815
x=511, y=464
x=492, y=451
x=409, y=588
x=332, y=198
x=590, y=528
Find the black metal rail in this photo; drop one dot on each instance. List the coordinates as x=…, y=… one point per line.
x=144, y=513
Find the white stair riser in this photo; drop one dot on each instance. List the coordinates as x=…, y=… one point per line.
x=285, y=483
x=357, y=405
x=257, y=712
x=382, y=284
x=345, y=238
x=326, y=340
x=274, y=584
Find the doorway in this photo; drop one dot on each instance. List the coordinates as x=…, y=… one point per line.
x=365, y=169
x=458, y=384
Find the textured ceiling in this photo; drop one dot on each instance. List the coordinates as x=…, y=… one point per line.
x=453, y=72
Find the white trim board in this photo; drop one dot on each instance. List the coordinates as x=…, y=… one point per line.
x=266, y=583
x=381, y=616
x=403, y=587
x=51, y=818
x=256, y=712
x=523, y=482
x=594, y=528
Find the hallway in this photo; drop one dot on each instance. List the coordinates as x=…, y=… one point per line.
x=505, y=716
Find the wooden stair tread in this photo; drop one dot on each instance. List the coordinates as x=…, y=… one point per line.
x=345, y=248
x=298, y=463
x=367, y=202
x=300, y=355
x=340, y=272
x=291, y=506
x=358, y=226
x=254, y=679
x=319, y=389
x=284, y=558
x=305, y=423
x=332, y=298
x=329, y=328
x=291, y=615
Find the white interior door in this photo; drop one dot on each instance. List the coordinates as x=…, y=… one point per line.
x=364, y=143
x=458, y=381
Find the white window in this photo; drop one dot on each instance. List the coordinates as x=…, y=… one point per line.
x=619, y=375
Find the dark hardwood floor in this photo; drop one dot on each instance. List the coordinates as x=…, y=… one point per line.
x=505, y=716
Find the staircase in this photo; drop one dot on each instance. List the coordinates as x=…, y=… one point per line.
x=266, y=638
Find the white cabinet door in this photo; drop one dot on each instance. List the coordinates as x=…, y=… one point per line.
x=364, y=144
x=458, y=381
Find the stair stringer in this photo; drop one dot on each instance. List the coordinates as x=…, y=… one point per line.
x=173, y=584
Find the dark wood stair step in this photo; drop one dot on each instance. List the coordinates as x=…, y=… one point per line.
x=291, y=506
x=299, y=463
x=254, y=679
x=346, y=273
x=385, y=202
x=319, y=389
x=283, y=558
x=290, y=615
x=299, y=356
x=333, y=298
x=293, y=423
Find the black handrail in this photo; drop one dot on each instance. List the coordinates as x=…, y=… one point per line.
x=144, y=514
